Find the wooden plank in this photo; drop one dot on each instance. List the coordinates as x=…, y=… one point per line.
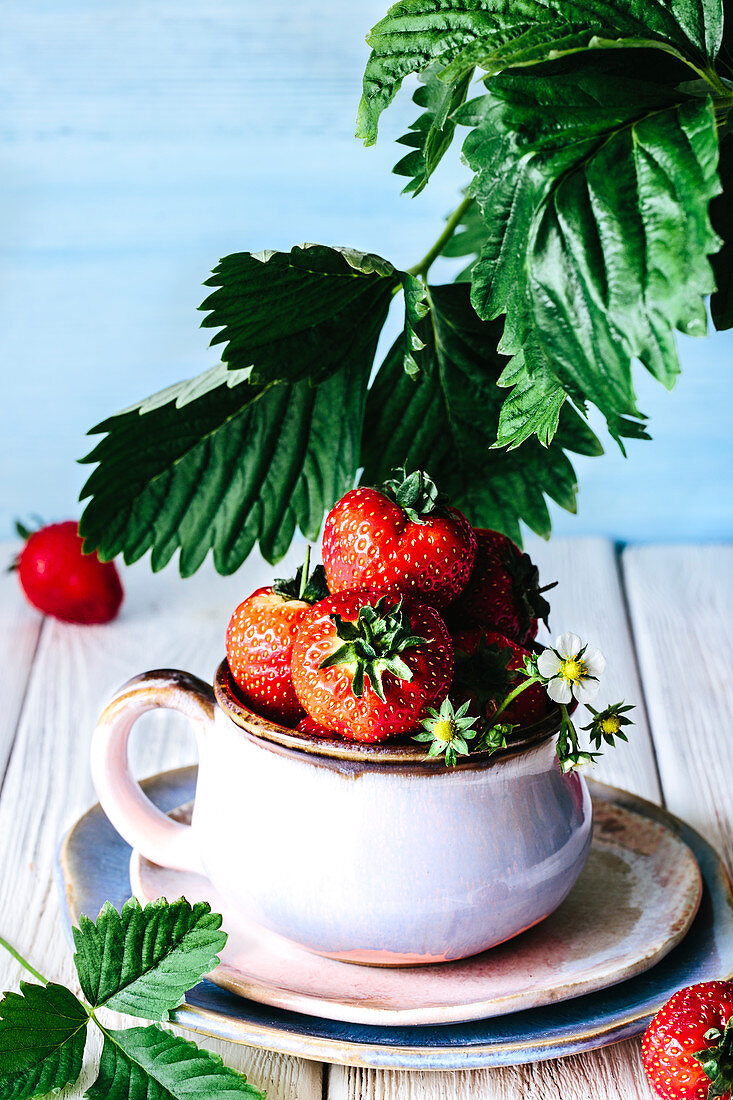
x=589, y=600
x=20, y=629
x=164, y=622
x=681, y=600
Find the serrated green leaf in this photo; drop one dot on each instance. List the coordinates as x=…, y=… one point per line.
x=143, y=961
x=148, y=1063
x=721, y=213
x=595, y=190
x=446, y=422
x=416, y=307
x=42, y=1037
x=533, y=406
x=431, y=135
x=303, y=314
x=455, y=35
x=233, y=467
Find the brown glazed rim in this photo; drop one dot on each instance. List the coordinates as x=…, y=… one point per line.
x=386, y=752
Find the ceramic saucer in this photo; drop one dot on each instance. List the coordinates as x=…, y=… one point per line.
x=633, y=903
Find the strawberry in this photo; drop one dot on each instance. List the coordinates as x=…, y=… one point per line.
x=367, y=663
x=401, y=537
x=260, y=638
x=486, y=666
x=687, y=1049
x=503, y=591
x=61, y=580
x=315, y=729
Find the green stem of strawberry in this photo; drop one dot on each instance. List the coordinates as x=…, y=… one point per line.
x=513, y=695
x=305, y=572
x=422, y=268
x=23, y=962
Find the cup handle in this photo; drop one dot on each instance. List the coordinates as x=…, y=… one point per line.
x=154, y=834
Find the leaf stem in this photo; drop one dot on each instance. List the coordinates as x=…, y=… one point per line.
x=512, y=696
x=23, y=962
x=451, y=225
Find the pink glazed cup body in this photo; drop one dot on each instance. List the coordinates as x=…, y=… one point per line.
x=366, y=853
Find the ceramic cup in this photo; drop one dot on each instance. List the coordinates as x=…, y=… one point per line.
x=369, y=853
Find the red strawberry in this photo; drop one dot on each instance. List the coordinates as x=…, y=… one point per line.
x=399, y=537
x=315, y=729
x=259, y=642
x=486, y=665
x=61, y=580
x=503, y=591
x=688, y=1047
x=367, y=663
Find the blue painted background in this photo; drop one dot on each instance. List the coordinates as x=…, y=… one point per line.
x=139, y=142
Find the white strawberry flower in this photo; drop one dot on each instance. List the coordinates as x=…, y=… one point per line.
x=571, y=668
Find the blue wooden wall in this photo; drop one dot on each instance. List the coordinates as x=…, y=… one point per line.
x=139, y=142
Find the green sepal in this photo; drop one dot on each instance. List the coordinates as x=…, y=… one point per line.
x=525, y=577
x=484, y=675
x=373, y=645
x=416, y=494
x=717, y=1062
x=310, y=589
x=614, y=710
x=462, y=728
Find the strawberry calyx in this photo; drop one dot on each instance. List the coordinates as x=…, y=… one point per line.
x=484, y=675
x=717, y=1060
x=448, y=731
x=525, y=578
x=373, y=644
x=310, y=589
x=416, y=494
x=24, y=533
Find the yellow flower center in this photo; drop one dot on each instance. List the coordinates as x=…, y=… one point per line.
x=572, y=670
x=611, y=724
x=443, y=729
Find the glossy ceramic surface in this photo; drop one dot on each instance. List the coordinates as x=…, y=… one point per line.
x=94, y=866
x=388, y=858
x=635, y=899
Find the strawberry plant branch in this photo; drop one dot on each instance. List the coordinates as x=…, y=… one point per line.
x=423, y=266
x=23, y=961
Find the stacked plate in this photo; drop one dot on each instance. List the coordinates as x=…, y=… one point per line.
x=651, y=912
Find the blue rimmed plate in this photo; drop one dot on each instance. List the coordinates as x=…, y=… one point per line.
x=94, y=867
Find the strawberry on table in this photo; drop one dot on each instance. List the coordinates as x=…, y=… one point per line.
x=486, y=671
x=402, y=536
x=260, y=638
x=687, y=1049
x=503, y=592
x=367, y=664
x=61, y=580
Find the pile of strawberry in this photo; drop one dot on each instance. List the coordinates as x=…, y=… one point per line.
x=411, y=607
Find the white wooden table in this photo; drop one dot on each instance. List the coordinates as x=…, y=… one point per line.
x=661, y=614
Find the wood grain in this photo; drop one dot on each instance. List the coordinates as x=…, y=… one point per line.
x=164, y=622
x=20, y=629
x=681, y=600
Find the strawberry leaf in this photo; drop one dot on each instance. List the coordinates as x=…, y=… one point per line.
x=446, y=422
x=43, y=1031
x=455, y=35
x=143, y=961
x=431, y=135
x=148, y=1063
x=721, y=213
x=342, y=300
x=573, y=173
x=234, y=465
